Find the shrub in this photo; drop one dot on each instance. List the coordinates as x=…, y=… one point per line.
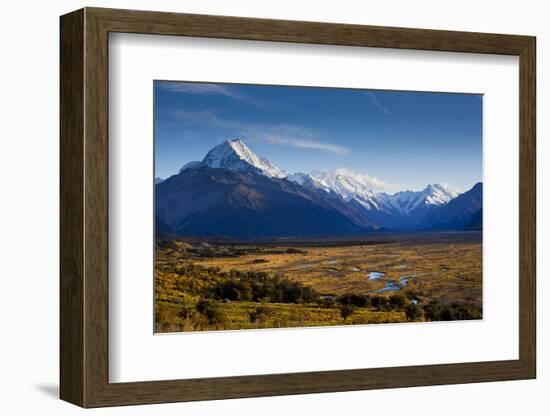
x=437, y=311
x=327, y=302
x=260, y=314
x=381, y=303
x=211, y=312
x=346, y=311
x=413, y=312
x=410, y=295
x=397, y=301
x=259, y=286
x=233, y=290
x=432, y=311
x=293, y=250
x=468, y=311
x=360, y=301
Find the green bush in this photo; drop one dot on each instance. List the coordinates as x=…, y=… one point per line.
x=327, y=302
x=211, y=312
x=358, y=300
x=233, y=290
x=381, y=303
x=397, y=301
x=438, y=311
x=346, y=311
x=413, y=312
x=260, y=314
x=259, y=286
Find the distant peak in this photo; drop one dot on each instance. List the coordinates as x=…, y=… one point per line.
x=436, y=186
x=477, y=187
x=442, y=187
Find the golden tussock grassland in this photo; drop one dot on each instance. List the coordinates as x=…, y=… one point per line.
x=225, y=285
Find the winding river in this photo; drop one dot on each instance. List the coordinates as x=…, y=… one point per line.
x=391, y=285
x=376, y=275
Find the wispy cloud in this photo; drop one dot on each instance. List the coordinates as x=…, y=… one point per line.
x=276, y=134
x=307, y=144
x=197, y=88
x=291, y=135
x=374, y=100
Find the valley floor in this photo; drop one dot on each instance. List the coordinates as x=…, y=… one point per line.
x=210, y=285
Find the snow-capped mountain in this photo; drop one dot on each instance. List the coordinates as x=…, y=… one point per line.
x=463, y=212
x=233, y=192
x=343, y=182
x=357, y=187
x=219, y=202
x=406, y=202
x=234, y=155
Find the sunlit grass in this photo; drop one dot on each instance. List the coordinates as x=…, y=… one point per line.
x=448, y=272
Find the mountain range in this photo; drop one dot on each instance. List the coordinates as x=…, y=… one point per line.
x=234, y=193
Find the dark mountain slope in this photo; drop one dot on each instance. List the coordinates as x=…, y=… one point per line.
x=477, y=222
x=463, y=212
x=220, y=202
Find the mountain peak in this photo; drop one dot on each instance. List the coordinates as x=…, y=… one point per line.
x=237, y=145
x=434, y=194
x=235, y=155
x=441, y=187
x=229, y=152
x=345, y=183
x=478, y=186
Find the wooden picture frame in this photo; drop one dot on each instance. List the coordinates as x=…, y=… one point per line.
x=84, y=207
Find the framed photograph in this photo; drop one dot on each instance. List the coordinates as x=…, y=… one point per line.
x=257, y=207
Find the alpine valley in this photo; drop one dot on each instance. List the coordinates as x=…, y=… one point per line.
x=234, y=193
x=283, y=226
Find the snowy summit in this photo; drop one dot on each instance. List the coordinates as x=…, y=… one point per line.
x=362, y=189
x=234, y=155
x=433, y=195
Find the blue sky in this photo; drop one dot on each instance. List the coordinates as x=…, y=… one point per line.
x=405, y=139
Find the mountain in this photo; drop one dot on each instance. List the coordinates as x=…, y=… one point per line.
x=161, y=228
x=346, y=184
x=411, y=202
x=402, y=209
x=158, y=180
x=476, y=224
x=207, y=201
x=235, y=156
x=463, y=212
x=234, y=193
